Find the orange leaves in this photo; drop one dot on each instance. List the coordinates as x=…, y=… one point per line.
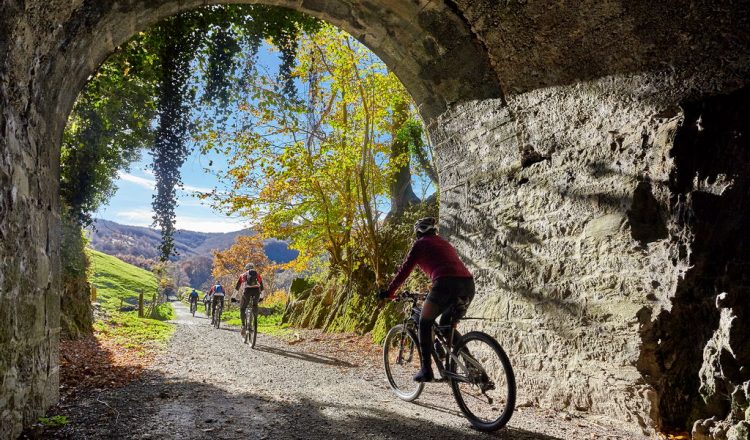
x=674, y=436
x=229, y=264
x=98, y=362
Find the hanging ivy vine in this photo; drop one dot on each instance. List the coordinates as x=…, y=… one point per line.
x=152, y=90
x=214, y=37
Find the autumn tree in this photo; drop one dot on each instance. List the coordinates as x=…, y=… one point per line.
x=229, y=264
x=319, y=169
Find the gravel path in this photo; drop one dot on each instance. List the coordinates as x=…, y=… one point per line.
x=208, y=385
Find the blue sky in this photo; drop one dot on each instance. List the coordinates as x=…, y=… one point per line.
x=131, y=204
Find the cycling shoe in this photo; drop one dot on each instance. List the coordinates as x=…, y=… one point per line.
x=424, y=376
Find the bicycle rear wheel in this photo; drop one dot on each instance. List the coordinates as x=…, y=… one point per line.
x=251, y=327
x=401, y=358
x=485, y=386
x=217, y=315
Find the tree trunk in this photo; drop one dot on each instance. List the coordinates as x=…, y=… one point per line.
x=402, y=193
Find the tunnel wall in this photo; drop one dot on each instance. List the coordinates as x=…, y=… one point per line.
x=29, y=221
x=568, y=206
x=562, y=184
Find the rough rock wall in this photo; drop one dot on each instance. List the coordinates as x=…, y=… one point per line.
x=569, y=205
x=29, y=217
x=560, y=192
x=696, y=352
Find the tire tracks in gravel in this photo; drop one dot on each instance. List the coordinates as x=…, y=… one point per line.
x=207, y=384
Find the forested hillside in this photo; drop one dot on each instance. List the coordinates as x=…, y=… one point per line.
x=134, y=243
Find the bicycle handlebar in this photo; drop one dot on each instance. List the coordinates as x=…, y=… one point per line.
x=410, y=296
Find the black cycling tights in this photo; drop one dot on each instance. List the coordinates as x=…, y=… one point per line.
x=430, y=311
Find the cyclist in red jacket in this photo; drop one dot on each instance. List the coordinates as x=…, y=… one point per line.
x=452, y=286
x=252, y=285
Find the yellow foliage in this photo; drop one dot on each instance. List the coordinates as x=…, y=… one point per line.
x=277, y=297
x=229, y=264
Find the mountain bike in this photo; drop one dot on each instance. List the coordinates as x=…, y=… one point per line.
x=216, y=321
x=207, y=306
x=476, y=367
x=193, y=307
x=251, y=323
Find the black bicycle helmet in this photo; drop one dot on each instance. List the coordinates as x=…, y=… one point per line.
x=425, y=225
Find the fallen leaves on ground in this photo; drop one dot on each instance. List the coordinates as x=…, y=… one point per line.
x=97, y=362
x=674, y=435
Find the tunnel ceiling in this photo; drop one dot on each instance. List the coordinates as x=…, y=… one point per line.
x=428, y=46
x=444, y=51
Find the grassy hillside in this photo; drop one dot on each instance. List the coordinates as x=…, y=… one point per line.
x=119, y=282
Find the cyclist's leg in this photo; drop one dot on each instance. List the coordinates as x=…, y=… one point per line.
x=463, y=290
x=243, y=307
x=436, y=303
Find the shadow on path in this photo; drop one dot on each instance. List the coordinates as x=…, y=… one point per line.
x=304, y=356
x=439, y=408
x=159, y=407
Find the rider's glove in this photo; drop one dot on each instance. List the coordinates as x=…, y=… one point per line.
x=383, y=294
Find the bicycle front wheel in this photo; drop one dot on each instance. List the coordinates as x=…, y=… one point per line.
x=483, y=382
x=401, y=358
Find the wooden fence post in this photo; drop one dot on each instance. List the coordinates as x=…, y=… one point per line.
x=140, y=304
x=152, y=312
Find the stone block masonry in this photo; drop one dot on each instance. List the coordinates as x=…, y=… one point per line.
x=565, y=204
x=593, y=168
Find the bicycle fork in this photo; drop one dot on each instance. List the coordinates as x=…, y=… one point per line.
x=400, y=357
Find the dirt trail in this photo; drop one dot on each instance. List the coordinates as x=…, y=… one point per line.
x=208, y=385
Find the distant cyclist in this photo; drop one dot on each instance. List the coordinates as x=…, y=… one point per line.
x=193, y=299
x=452, y=286
x=252, y=284
x=217, y=293
x=207, y=303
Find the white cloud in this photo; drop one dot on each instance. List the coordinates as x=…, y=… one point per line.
x=201, y=224
x=137, y=217
x=151, y=183
x=144, y=217
x=140, y=181
x=197, y=189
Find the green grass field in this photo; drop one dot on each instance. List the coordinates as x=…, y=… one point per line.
x=118, y=282
x=269, y=324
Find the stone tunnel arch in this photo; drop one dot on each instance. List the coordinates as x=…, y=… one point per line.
x=540, y=181
x=430, y=47
x=427, y=44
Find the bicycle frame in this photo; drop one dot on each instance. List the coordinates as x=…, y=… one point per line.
x=446, y=343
